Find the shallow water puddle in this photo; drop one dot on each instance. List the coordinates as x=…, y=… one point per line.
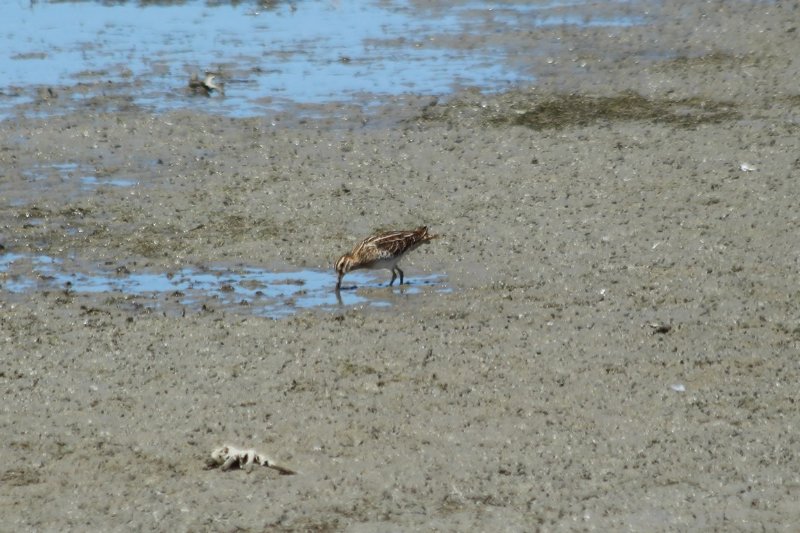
x=69, y=179
x=249, y=290
x=92, y=182
x=88, y=177
x=274, y=53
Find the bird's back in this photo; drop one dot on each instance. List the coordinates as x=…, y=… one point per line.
x=392, y=243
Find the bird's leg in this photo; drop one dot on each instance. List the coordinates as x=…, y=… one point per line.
x=394, y=276
x=339, y=284
x=401, y=274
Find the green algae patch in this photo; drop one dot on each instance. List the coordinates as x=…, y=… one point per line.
x=568, y=110
x=579, y=110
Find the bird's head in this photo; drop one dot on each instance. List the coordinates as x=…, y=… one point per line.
x=342, y=266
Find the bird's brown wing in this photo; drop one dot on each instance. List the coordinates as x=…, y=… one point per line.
x=392, y=243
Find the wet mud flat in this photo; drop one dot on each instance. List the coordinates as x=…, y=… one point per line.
x=618, y=349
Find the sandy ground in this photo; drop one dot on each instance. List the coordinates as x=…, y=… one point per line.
x=538, y=394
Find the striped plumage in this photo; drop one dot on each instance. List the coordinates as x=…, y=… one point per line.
x=382, y=250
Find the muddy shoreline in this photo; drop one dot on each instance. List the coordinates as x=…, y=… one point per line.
x=618, y=350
